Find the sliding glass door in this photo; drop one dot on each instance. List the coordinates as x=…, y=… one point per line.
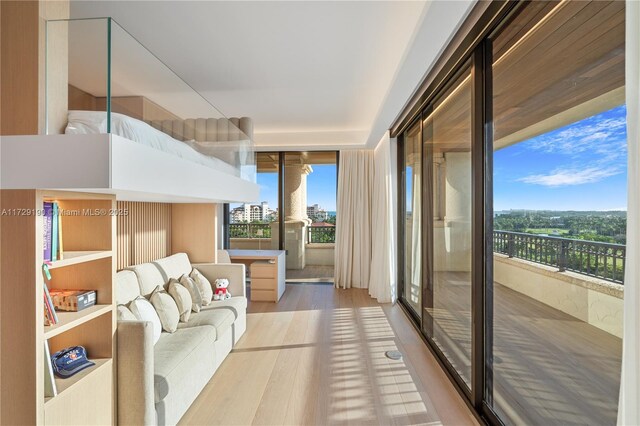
x=255, y=226
x=412, y=219
x=447, y=231
x=560, y=205
x=512, y=210
x=310, y=189
x=296, y=212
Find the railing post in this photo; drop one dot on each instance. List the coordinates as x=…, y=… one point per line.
x=563, y=255
x=511, y=245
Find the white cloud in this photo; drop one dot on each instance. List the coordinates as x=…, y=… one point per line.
x=568, y=177
x=604, y=137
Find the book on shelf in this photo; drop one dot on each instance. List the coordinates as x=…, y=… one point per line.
x=50, y=388
x=51, y=316
x=48, y=228
x=54, y=232
x=52, y=237
x=60, y=248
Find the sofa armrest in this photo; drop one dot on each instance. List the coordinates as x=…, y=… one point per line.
x=234, y=272
x=136, y=404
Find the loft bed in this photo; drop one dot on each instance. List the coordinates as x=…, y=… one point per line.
x=119, y=121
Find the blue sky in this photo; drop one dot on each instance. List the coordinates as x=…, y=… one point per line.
x=582, y=166
x=321, y=187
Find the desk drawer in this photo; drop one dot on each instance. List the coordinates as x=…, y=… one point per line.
x=263, y=283
x=264, y=270
x=262, y=295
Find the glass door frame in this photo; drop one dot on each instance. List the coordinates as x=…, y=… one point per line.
x=281, y=182
x=476, y=47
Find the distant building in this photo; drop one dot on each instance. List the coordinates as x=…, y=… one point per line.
x=252, y=213
x=317, y=213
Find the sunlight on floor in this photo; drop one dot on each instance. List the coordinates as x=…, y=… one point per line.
x=365, y=383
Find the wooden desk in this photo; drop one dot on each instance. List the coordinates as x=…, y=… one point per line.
x=267, y=272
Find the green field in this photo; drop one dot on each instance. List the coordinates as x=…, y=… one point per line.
x=548, y=231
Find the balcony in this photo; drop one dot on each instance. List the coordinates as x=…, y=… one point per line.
x=553, y=299
x=318, y=247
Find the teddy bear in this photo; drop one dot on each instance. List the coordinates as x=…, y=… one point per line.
x=221, y=292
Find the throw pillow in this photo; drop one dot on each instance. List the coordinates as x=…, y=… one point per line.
x=196, y=297
x=143, y=310
x=204, y=286
x=166, y=308
x=182, y=297
x=125, y=314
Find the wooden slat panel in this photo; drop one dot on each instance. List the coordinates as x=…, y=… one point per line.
x=144, y=232
x=194, y=231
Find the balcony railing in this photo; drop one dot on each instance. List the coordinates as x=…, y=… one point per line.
x=250, y=230
x=602, y=260
x=321, y=234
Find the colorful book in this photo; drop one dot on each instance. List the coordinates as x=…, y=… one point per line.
x=60, y=248
x=48, y=316
x=50, y=389
x=54, y=232
x=50, y=305
x=48, y=227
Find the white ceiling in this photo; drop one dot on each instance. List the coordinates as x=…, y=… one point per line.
x=311, y=74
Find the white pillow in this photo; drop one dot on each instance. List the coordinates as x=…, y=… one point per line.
x=166, y=308
x=204, y=286
x=143, y=311
x=125, y=314
x=196, y=297
x=182, y=298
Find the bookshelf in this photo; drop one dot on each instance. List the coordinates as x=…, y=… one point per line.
x=88, y=263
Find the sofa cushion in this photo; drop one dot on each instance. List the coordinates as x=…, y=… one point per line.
x=125, y=314
x=150, y=276
x=236, y=305
x=144, y=311
x=127, y=287
x=174, y=266
x=178, y=356
x=196, y=297
x=166, y=308
x=182, y=297
x=219, y=319
x=204, y=286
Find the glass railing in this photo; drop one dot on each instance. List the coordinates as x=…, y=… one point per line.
x=100, y=79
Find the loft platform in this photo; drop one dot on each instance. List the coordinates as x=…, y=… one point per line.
x=111, y=164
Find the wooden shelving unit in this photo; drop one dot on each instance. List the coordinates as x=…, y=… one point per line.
x=88, y=263
x=69, y=320
x=75, y=257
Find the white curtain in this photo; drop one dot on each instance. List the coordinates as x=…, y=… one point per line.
x=353, y=227
x=365, y=244
x=629, y=408
x=382, y=283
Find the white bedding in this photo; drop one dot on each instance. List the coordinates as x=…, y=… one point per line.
x=86, y=122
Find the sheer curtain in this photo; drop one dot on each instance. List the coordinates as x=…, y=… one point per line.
x=365, y=244
x=382, y=283
x=629, y=408
x=353, y=227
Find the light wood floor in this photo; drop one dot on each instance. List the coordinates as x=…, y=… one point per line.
x=317, y=357
x=549, y=367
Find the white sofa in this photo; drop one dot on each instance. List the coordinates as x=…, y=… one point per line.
x=157, y=383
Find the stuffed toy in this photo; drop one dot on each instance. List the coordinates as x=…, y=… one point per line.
x=221, y=292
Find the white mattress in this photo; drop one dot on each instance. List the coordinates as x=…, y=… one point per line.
x=86, y=122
